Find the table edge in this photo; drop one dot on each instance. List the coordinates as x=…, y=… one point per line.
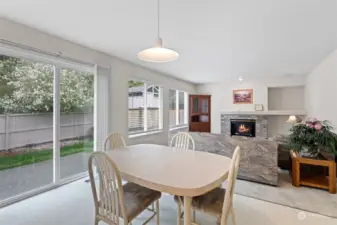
x=190, y=192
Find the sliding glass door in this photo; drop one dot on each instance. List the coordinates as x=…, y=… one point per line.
x=46, y=125
x=76, y=121
x=26, y=126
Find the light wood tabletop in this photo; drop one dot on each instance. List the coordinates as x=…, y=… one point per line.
x=170, y=170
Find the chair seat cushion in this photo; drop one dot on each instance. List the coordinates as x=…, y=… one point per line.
x=211, y=202
x=138, y=198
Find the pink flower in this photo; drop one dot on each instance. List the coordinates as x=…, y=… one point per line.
x=318, y=126
x=313, y=119
x=310, y=125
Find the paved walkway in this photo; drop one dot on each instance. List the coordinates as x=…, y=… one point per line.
x=25, y=178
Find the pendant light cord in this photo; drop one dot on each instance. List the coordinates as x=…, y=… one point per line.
x=158, y=5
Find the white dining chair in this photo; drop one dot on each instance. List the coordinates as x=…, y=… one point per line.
x=114, y=200
x=114, y=140
x=182, y=140
x=219, y=201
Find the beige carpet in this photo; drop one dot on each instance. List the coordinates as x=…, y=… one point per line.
x=72, y=204
x=303, y=198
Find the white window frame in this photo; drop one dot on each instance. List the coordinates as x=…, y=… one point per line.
x=56, y=125
x=24, y=52
x=185, y=124
x=160, y=119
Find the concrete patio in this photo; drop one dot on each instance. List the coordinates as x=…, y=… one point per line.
x=18, y=180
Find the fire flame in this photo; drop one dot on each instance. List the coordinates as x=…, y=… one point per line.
x=243, y=128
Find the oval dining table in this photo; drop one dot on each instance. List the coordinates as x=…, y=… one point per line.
x=171, y=170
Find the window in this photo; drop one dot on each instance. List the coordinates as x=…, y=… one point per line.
x=182, y=108
x=26, y=134
x=177, y=108
x=172, y=108
x=76, y=120
x=31, y=94
x=145, y=108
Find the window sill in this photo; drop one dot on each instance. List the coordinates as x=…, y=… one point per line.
x=179, y=127
x=145, y=133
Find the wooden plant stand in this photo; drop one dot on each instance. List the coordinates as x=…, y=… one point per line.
x=318, y=181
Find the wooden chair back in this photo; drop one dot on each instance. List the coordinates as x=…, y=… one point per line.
x=109, y=202
x=233, y=173
x=182, y=140
x=114, y=140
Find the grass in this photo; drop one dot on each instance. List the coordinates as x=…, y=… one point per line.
x=7, y=162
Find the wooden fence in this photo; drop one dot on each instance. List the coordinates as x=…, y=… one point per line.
x=27, y=130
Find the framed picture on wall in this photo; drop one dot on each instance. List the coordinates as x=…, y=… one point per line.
x=243, y=96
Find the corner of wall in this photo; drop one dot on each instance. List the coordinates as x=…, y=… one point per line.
x=320, y=88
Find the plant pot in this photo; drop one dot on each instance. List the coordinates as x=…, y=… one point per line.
x=306, y=154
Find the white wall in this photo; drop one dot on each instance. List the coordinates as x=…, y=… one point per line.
x=221, y=99
x=24, y=35
x=321, y=87
x=286, y=98
x=278, y=125
x=121, y=72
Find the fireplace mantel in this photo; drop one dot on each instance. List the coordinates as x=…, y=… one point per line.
x=267, y=113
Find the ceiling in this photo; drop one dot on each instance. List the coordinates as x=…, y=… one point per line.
x=216, y=39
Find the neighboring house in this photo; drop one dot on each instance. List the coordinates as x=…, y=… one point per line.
x=136, y=97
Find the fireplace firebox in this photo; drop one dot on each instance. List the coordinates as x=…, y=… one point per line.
x=243, y=127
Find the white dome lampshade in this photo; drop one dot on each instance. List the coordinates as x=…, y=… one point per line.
x=158, y=53
x=293, y=119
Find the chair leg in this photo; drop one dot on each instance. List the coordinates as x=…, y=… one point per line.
x=233, y=216
x=193, y=215
x=157, y=212
x=178, y=214
x=218, y=222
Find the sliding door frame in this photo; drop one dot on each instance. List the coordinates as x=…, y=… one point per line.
x=56, y=125
x=24, y=52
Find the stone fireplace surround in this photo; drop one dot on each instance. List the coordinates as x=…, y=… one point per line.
x=258, y=155
x=261, y=129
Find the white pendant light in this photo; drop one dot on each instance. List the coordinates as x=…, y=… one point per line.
x=158, y=53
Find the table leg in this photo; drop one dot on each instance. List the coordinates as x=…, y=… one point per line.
x=332, y=178
x=295, y=173
x=187, y=210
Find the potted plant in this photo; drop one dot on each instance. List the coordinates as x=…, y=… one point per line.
x=313, y=136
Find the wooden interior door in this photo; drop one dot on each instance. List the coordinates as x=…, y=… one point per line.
x=200, y=117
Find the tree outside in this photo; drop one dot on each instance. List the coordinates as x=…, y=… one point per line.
x=27, y=87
